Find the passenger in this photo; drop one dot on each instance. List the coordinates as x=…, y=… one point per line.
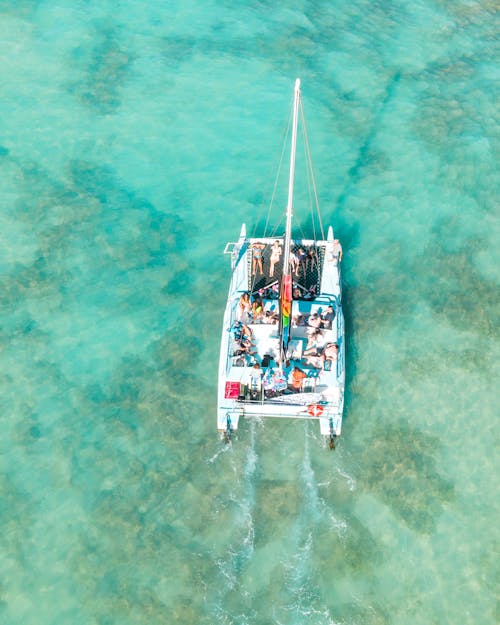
x=331, y=352
x=257, y=309
x=296, y=377
x=275, y=256
x=311, y=293
x=256, y=373
x=337, y=250
x=267, y=318
x=311, y=259
x=313, y=343
x=267, y=382
x=246, y=335
x=327, y=317
x=242, y=340
x=266, y=361
x=315, y=360
x=294, y=263
x=244, y=308
x=239, y=348
x=301, y=260
x=314, y=321
x=257, y=255
x=296, y=293
x=236, y=330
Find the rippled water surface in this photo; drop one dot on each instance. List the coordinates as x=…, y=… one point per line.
x=134, y=139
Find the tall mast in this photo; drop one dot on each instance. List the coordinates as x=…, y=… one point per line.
x=289, y=206
x=286, y=283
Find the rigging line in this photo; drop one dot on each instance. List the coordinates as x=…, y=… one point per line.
x=253, y=275
x=278, y=224
x=266, y=194
x=304, y=125
x=287, y=132
x=284, y=133
x=303, y=234
x=309, y=186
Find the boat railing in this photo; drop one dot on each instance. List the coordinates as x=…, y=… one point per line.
x=236, y=249
x=340, y=341
x=230, y=246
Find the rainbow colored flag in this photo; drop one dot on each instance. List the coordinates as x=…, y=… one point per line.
x=286, y=307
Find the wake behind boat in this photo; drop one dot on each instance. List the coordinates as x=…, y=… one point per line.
x=282, y=349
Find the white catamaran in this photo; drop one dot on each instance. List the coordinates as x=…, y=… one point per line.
x=282, y=350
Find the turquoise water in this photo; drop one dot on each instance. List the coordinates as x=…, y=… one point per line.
x=135, y=138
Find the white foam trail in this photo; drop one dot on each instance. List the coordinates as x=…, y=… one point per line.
x=310, y=481
x=306, y=607
x=240, y=549
x=351, y=482
x=248, y=502
x=316, y=503
x=222, y=449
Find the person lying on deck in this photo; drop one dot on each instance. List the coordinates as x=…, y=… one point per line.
x=270, y=317
x=314, y=322
x=331, y=352
x=313, y=342
x=323, y=359
x=275, y=256
x=316, y=360
x=242, y=339
x=327, y=317
x=257, y=254
x=298, y=320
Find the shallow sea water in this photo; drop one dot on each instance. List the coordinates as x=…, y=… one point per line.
x=134, y=140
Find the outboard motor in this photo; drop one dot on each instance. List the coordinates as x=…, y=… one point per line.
x=331, y=442
x=229, y=430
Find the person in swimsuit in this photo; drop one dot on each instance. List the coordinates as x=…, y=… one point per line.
x=313, y=343
x=257, y=309
x=311, y=259
x=327, y=317
x=275, y=256
x=316, y=361
x=301, y=261
x=257, y=254
x=314, y=321
x=337, y=250
x=244, y=308
x=331, y=352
